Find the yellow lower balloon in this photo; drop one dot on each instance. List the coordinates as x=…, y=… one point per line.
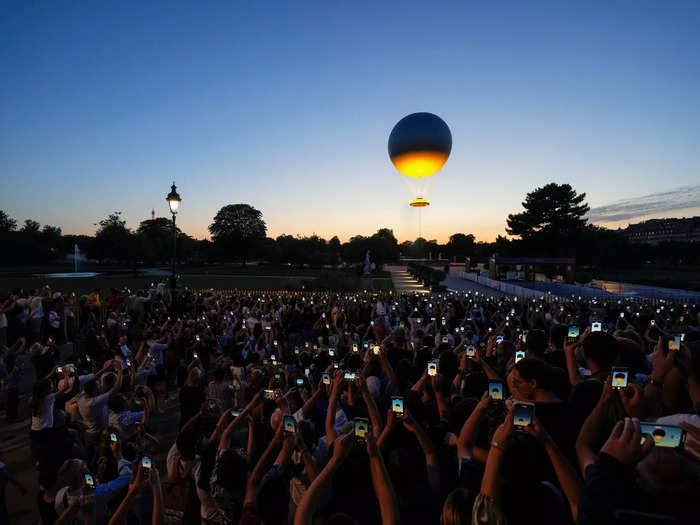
x=419, y=164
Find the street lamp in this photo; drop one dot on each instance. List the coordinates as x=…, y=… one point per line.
x=174, y=202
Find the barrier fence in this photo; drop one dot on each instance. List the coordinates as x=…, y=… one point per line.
x=608, y=289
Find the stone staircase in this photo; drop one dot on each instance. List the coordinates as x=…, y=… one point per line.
x=403, y=282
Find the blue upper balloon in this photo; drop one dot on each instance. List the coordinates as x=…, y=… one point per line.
x=420, y=132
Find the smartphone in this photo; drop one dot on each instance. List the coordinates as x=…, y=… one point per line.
x=496, y=390
x=652, y=322
x=195, y=355
x=622, y=315
x=519, y=355
x=573, y=334
x=290, y=424
x=471, y=351
x=523, y=336
x=376, y=349
x=274, y=343
x=445, y=339
x=89, y=481
x=300, y=381
x=269, y=394
x=499, y=339
x=349, y=376
x=596, y=327
x=444, y=321
x=674, y=343
x=361, y=429
x=355, y=348
x=296, y=350
x=523, y=412
x=212, y=404
x=331, y=352
x=664, y=435
x=197, y=338
x=326, y=378
x=273, y=357
x=432, y=368
x=128, y=362
x=397, y=405
x=146, y=462
x=235, y=413
x=59, y=369
x=307, y=372
x=619, y=377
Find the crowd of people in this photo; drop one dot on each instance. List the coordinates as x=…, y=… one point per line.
x=325, y=408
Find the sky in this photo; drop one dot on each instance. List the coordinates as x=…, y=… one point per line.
x=288, y=106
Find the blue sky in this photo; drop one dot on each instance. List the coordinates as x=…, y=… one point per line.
x=288, y=106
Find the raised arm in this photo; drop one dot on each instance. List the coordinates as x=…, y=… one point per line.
x=470, y=429
x=375, y=418
x=570, y=481
x=431, y=458
x=388, y=503
x=571, y=366
x=243, y=416
x=593, y=427
x=332, y=407
x=490, y=483
x=262, y=466
x=314, y=494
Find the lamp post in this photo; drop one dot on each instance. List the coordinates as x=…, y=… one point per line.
x=174, y=202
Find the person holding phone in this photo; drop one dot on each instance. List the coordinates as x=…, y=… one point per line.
x=532, y=380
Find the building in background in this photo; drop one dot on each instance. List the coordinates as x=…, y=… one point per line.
x=663, y=230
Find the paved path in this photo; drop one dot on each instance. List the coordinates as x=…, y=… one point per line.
x=403, y=282
x=457, y=284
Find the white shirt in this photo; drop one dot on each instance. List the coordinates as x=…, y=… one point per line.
x=93, y=411
x=36, y=307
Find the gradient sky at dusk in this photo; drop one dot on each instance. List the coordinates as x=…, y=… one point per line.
x=287, y=106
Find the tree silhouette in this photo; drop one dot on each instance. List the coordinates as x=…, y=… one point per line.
x=554, y=212
x=238, y=229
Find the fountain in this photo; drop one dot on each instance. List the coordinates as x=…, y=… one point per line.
x=76, y=257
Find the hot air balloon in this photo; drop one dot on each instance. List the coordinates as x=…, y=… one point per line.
x=419, y=146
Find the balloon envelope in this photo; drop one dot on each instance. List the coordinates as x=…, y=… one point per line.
x=420, y=144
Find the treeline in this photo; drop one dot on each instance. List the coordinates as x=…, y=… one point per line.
x=552, y=224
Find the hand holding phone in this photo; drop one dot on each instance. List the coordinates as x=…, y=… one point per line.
x=496, y=390
x=619, y=377
x=523, y=412
x=290, y=424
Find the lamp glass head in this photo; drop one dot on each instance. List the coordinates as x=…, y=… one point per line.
x=173, y=199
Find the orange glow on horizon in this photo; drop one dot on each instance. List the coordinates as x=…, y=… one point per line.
x=419, y=164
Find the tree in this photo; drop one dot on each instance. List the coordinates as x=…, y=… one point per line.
x=238, y=228
x=30, y=226
x=460, y=245
x=7, y=223
x=113, y=240
x=553, y=212
x=155, y=239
